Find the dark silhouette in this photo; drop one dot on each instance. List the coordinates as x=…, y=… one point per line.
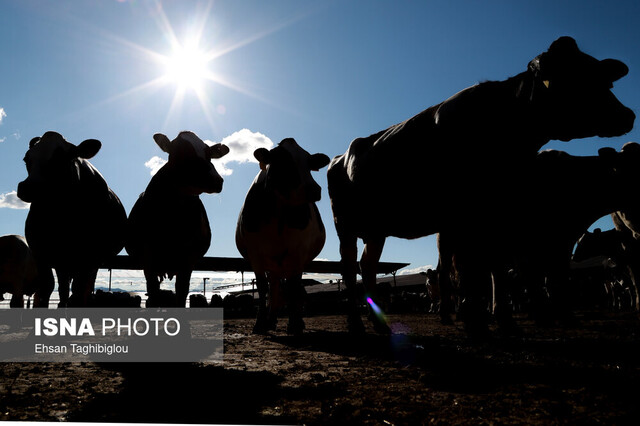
x=280, y=230
x=168, y=229
x=456, y=151
x=75, y=221
x=19, y=274
x=627, y=222
x=536, y=229
x=599, y=271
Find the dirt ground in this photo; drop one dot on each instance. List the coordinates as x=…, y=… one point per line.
x=424, y=373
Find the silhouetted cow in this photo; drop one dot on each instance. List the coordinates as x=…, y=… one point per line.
x=280, y=230
x=598, y=264
x=168, y=229
x=628, y=224
x=453, y=149
x=19, y=273
x=75, y=221
x=536, y=229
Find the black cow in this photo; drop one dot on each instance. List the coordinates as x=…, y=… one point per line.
x=453, y=148
x=628, y=224
x=598, y=268
x=536, y=229
x=280, y=230
x=19, y=273
x=168, y=229
x=75, y=221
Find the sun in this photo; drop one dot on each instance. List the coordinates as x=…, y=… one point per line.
x=187, y=66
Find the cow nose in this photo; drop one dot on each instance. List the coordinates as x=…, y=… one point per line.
x=24, y=192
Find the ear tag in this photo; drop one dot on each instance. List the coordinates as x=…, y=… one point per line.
x=546, y=83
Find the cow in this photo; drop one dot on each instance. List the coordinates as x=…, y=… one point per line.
x=19, y=274
x=536, y=229
x=75, y=220
x=280, y=230
x=168, y=230
x=627, y=223
x=598, y=266
x=452, y=148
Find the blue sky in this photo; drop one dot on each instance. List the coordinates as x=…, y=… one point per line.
x=321, y=72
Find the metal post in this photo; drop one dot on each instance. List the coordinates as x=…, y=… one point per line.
x=110, y=272
x=204, y=286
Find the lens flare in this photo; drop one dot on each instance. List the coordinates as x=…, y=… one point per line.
x=376, y=310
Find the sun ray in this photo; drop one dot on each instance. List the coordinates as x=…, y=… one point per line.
x=195, y=77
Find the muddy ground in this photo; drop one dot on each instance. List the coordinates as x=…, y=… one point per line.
x=424, y=373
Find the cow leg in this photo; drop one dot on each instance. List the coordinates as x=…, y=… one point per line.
x=295, y=301
x=17, y=300
x=263, y=323
x=502, y=308
x=64, y=282
x=369, y=264
x=182, y=287
x=82, y=287
x=349, y=260
x=631, y=269
x=45, y=287
x=445, y=266
x=153, y=288
x=475, y=284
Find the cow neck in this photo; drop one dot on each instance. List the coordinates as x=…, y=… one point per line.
x=519, y=112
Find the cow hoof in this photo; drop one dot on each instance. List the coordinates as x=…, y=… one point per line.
x=446, y=320
x=263, y=325
x=355, y=325
x=295, y=327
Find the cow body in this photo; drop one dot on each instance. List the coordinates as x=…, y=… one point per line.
x=599, y=269
x=19, y=274
x=75, y=221
x=560, y=198
x=280, y=230
x=168, y=229
x=456, y=149
x=627, y=223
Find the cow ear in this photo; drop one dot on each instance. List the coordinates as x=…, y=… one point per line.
x=563, y=45
x=262, y=155
x=163, y=142
x=318, y=161
x=34, y=141
x=87, y=149
x=613, y=69
x=218, y=150
x=631, y=147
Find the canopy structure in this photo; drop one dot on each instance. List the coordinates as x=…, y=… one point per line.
x=239, y=264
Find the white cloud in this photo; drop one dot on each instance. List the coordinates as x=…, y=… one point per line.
x=415, y=270
x=3, y=139
x=2, y=114
x=241, y=146
x=154, y=164
x=10, y=200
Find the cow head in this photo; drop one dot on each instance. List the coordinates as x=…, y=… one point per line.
x=624, y=166
x=572, y=93
x=287, y=170
x=190, y=162
x=52, y=164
